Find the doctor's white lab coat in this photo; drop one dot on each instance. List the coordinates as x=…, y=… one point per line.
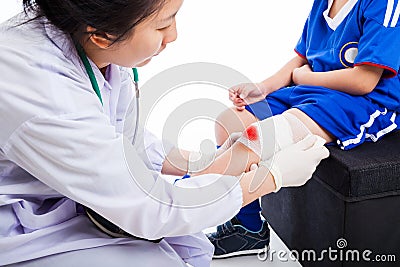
x=59, y=146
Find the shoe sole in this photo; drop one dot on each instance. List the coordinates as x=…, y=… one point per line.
x=242, y=253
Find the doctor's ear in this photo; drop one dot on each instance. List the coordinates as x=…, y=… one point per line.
x=102, y=40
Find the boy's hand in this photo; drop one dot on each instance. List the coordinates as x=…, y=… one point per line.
x=299, y=74
x=245, y=94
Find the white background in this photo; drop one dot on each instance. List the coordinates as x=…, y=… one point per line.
x=254, y=37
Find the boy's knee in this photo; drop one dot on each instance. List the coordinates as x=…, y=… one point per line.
x=273, y=134
x=231, y=121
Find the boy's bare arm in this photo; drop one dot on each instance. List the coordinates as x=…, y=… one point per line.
x=283, y=77
x=248, y=93
x=359, y=80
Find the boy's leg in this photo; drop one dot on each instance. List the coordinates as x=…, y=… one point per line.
x=275, y=130
x=270, y=135
x=294, y=121
x=231, y=121
x=240, y=156
x=249, y=217
x=227, y=123
x=311, y=125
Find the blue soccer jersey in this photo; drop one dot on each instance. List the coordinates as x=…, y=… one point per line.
x=364, y=32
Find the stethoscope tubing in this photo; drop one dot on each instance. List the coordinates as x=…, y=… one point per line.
x=96, y=88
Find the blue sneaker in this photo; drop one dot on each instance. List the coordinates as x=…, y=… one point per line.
x=233, y=239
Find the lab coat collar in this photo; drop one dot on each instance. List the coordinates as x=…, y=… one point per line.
x=64, y=43
x=113, y=77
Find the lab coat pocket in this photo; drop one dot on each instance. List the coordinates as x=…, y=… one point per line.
x=33, y=216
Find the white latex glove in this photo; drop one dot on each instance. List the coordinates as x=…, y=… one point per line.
x=229, y=142
x=200, y=161
x=294, y=165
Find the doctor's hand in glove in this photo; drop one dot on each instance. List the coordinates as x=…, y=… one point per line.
x=292, y=166
x=233, y=137
x=199, y=162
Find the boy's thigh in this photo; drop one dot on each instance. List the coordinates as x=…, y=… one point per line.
x=350, y=120
x=274, y=104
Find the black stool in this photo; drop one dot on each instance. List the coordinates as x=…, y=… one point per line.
x=353, y=197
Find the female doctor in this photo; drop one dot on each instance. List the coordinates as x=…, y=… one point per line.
x=65, y=93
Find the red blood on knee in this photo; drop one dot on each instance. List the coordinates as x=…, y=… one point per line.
x=252, y=133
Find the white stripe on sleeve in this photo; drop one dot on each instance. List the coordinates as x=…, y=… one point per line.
x=389, y=10
x=395, y=18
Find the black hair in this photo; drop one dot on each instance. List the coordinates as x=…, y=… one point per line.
x=113, y=17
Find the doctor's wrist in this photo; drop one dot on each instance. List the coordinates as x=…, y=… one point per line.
x=275, y=173
x=198, y=162
x=256, y=184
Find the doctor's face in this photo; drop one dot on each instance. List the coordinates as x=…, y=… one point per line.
x=149, y=38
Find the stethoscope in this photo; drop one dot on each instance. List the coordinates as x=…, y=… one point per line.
x=103, y=224
x=96, y=88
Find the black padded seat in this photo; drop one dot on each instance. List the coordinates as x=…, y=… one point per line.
x=354, y=195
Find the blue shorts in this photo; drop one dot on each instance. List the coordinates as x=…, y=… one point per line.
x=352, y=120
